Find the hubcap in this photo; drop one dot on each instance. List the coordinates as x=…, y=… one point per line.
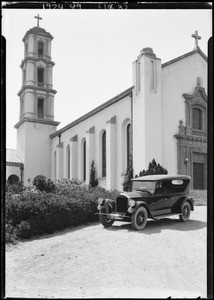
x=185, y=211
x=140, y=219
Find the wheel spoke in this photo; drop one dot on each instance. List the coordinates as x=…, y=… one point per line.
x=140, y=219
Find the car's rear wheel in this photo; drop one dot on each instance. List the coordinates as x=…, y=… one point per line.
x=186, y=210
x=104, y=219
x=139, y=218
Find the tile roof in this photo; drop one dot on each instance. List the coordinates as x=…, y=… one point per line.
x=12, y=156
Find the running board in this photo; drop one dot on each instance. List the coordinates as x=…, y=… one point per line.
x=164, y=216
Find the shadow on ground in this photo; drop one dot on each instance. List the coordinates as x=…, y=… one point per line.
x=153, y=226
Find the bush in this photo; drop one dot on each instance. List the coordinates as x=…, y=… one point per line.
x=33, y=212
x=93, y=181
x=44, y=184
x=153, y=168
x=10, y=233
x=127, y=183
x=15, y=188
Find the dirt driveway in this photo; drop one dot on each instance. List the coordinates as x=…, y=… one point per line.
x=167, y=258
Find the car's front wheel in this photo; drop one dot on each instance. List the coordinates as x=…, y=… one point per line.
x=186, y=210
x=139, y=218
x=104, y=219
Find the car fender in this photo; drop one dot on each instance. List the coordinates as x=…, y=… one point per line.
x=109, y=205
x=190, y=201
x=144, y=204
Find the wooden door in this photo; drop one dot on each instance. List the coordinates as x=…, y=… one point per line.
x=198, y=176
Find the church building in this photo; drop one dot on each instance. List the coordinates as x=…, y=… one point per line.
x=163, y=115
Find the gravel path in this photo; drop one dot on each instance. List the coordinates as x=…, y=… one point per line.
x=167, y=258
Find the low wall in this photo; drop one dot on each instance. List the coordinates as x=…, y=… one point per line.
x=199, y=196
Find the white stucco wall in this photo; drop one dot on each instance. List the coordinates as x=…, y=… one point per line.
x=34, y=146
x=13, y=170
x=178, y=78
x=147, y=113
x=122, y=111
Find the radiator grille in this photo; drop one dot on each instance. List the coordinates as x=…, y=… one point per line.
x=121, y=203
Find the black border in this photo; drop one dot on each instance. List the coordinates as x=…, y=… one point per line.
x=112, y=5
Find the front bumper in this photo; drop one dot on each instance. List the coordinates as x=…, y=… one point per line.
x=116, y=216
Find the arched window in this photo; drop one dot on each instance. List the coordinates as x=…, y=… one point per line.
x=40, y=76
x=129, y=145
x=138, y=76
x=13, y=179
x=197, y=118
x=84, y=160
x=68, y=161
x=104, y=154
x=40, y=49
x=40, y=108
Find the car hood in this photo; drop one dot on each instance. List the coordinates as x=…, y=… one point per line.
x=137, y=194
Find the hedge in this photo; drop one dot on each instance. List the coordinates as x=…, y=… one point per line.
x=32, y=212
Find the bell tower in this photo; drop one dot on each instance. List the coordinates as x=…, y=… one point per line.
x=36, y=118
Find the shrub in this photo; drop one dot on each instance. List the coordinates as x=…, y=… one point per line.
x=93, y=181
x=127, y=183
x=15, y=188
x=23, y=230
x=10, y=233
x=153, y=168
x=44, y=184
x=33, y=212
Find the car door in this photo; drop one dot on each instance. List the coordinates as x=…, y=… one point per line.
x=158, y=200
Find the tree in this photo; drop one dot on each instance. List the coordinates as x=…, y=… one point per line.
x=153, y=168
x=127, y=183
x=93, y=181
x=43, y=184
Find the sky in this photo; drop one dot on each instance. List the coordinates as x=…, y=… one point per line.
x=93, y=51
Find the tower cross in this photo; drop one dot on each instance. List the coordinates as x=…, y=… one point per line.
x=38, y=18
x=196, y=37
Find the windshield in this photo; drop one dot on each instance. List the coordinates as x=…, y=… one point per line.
x=143, y=185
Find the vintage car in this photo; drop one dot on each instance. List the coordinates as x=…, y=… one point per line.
x=152, y=196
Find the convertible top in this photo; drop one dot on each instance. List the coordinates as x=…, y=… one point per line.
x=162, y=177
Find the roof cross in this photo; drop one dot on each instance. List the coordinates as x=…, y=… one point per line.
x=38, y=18
x=196, y=37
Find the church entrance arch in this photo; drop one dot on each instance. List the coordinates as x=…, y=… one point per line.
x=13, y=179
x=192, y=138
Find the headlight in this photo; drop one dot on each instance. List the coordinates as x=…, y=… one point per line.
x=100, y=201
x=131, y=202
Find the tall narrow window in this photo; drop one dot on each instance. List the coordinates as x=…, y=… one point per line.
x=40, y=49
x=84, y=161
x=68, y=161
x=40, y=76
x=197, y=118
x=129, y=145
x=21, y=107
x=104, y=154
x=152, y=79
x=24, y=76
x=26, y=49
x=138, y=77
x=40, y=108
x=55, y=166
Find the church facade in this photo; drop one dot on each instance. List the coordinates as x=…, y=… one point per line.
x=163, y=115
